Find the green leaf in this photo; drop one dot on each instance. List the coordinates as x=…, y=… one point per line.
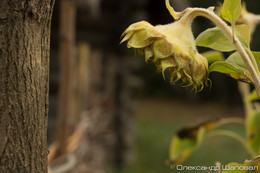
x=237, y=61
x=230, y=69
x=182, y=147
x=231, y=10
x=223, y=67
x=187, y=140
x=213, y=56
x=234, y=66
x=243, y=34
x=253, y=131
x=215, y=39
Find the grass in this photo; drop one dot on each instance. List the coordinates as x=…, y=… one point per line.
x=151, y=150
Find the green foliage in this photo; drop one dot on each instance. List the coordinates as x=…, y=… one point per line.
x=213, y=56
x=231, y=10
x=235, y=67
x=214, y=38
x=187, y=140
x=182, y=146
x=225, y=67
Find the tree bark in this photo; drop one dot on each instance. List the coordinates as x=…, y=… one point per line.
x=24, y=76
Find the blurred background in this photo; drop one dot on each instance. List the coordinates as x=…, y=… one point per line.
x=109, y=111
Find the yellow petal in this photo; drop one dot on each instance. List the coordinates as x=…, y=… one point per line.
x=138, y=26
x=127, y=36
x=138, y=40
x=143, y=38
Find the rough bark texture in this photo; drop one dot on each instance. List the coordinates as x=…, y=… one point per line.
x=24, y=76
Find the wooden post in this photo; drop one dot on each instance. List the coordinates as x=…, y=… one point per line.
x=67, y=58
x=83, y=76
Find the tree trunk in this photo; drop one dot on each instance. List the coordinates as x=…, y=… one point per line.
x=24, y=77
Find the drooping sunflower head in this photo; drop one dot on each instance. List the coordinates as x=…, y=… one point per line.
x=171, y=48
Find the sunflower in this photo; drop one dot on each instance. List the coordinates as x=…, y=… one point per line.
x=171, y=48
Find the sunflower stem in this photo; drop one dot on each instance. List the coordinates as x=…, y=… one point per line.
x=191, y=13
